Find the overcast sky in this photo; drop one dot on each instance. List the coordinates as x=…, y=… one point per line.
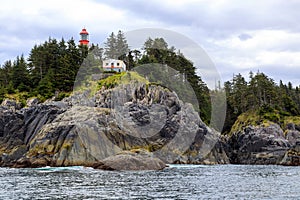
x=238, y=36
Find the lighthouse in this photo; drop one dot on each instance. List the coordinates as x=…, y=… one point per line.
x=84, y=37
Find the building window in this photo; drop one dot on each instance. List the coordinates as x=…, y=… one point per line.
x=118, y=64
x=106, y=64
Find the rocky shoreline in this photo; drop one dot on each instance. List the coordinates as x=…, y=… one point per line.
x=264, y=145
x=134, y=126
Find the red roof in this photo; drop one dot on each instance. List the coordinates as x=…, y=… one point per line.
x=83, y=32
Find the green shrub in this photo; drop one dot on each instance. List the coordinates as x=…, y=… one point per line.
x=272, y=116
x=62, y=95
x=120, y=78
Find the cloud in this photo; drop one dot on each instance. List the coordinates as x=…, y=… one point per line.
x=260, y=51
x=239, y=36
x=244, y=37
x=217, y=18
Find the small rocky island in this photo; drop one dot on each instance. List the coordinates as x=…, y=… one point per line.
x=135, y=125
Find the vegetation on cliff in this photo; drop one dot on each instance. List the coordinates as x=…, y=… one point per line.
x=52, y=66
x=121, y=78
x=261, y=117
x=260, y=99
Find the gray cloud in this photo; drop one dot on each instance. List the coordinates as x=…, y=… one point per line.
x=244, y=36
x=219, y=18
x=236, y=34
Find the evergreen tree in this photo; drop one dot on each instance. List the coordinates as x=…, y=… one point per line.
x=97, y=52
x=238, y=94
x=121, y=44
x=148, y=44
x=261, y=94
x=6, y=73
x=20, y=75
x=110, y=47
x=156, y=51
x=45, y=87
x=116, y=46
x=3, y=91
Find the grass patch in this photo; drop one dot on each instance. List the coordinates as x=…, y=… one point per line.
x=291, y=119
x=19, y=97
x=263, y=117
x=121, y=78
x=111, y=81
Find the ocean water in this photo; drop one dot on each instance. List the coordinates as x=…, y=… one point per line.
x=175, y=182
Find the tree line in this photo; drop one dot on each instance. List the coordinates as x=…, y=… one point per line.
x=52, y=66
x=262, y=94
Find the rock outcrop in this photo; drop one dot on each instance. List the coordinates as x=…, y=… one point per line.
x=264, y=145
x=258, y=145
x=18, y=128
x=131, y=160
x=133, y=126
x=292, y=156
x=85, y=129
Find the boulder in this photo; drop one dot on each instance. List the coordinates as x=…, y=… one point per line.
x=131, y=160
x=11, y=104
x=292, y=156
x=293, y=136
x=32, y=102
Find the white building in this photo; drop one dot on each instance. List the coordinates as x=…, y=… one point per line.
x=114, y=65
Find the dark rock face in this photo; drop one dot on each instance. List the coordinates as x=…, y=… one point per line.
x=293, y=136
x=18, y=128
x=85, y=129
x=132, y=127
x=11, y=104
x=292, y=156
x=264, y=145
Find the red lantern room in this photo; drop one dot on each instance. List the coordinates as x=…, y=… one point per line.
x=84, y=37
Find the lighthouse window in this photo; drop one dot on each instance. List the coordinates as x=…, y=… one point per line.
x=84, y=37
x=118, y=64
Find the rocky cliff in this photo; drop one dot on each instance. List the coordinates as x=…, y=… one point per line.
x=257, y=141
x=136, y=125
x=86, y=129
